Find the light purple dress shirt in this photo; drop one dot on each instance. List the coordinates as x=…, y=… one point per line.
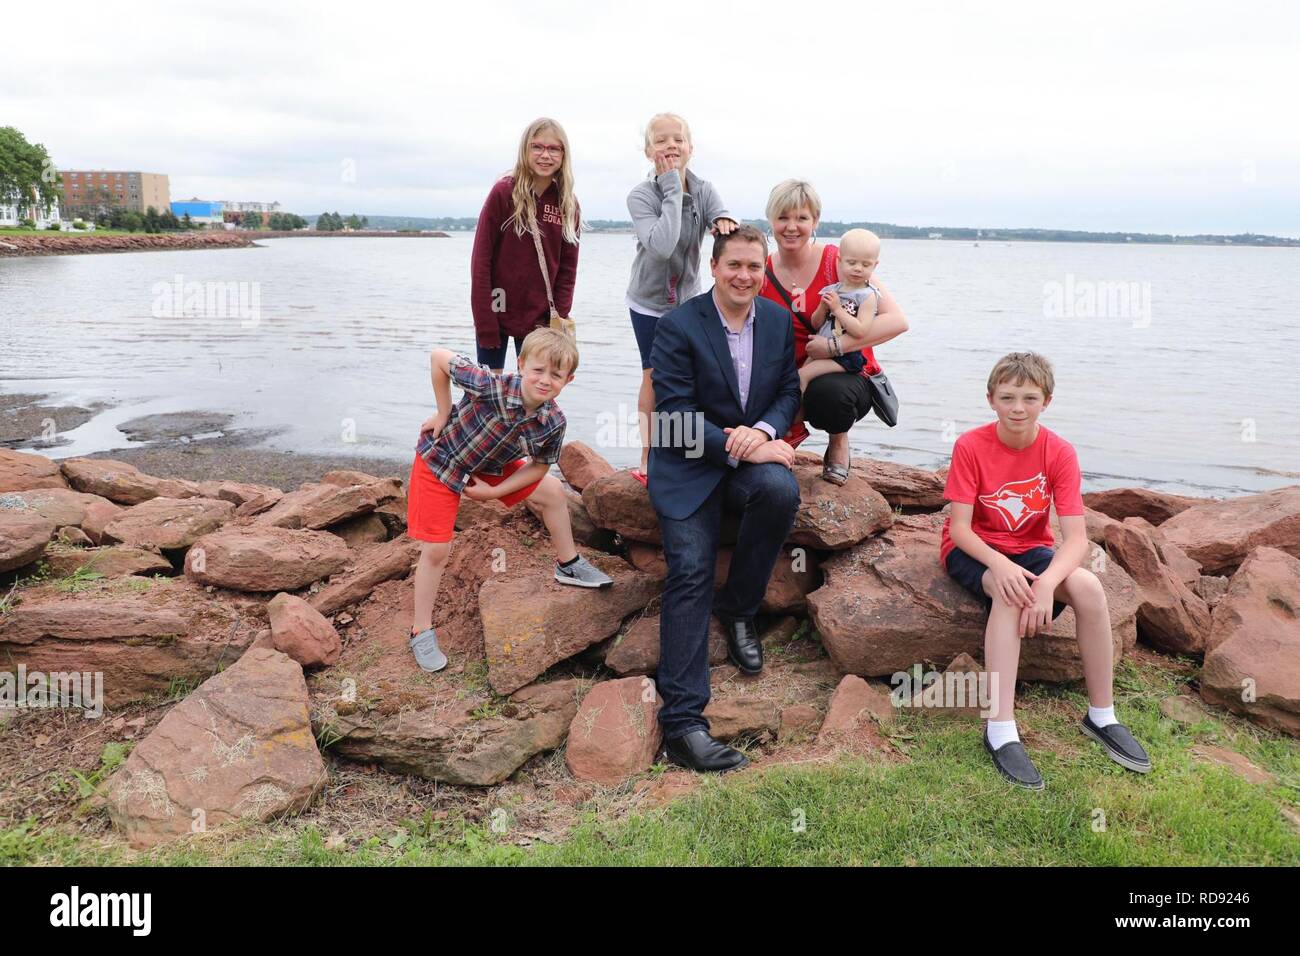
x=741, y=346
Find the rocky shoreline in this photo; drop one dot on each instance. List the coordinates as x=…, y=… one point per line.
x=287, y=611
x=15, y=245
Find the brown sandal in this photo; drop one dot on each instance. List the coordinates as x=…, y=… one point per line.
x=835, y=474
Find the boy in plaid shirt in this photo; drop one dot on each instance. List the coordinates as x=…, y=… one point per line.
x=477, y=448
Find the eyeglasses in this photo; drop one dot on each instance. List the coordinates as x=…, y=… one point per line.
x=537, y=149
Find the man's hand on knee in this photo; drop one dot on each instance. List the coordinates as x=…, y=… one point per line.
x=778, y=451
x=743, y=441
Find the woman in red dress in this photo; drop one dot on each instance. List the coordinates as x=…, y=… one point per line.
x=797, y=270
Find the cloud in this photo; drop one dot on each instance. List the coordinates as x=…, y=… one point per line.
x=1112, y=115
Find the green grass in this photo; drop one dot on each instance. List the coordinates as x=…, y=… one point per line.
x=20, y=230
x=943, y=806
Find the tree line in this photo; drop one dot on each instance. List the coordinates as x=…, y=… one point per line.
x=27, y=174
x=333, y=222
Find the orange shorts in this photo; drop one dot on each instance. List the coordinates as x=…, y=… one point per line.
x=431, y=506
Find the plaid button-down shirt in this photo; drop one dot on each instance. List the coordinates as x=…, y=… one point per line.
x=490, y=427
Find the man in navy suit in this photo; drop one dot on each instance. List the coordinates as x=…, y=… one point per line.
x=726, y=389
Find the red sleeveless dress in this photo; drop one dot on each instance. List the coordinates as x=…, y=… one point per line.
x=826, y=274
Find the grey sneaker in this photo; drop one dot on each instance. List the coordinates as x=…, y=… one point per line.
x=427, y=653
x=583, y=574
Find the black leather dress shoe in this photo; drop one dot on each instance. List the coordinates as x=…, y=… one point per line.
x=743, y=645
x=700, y=752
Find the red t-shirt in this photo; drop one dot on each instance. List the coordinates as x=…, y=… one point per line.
x=1012, y=489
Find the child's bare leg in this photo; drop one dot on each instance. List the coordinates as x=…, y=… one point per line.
x=428, y=575
x=1002, y=651
x=645, y=406
x=815, y=368
x=555, y=514
x=1083, y=592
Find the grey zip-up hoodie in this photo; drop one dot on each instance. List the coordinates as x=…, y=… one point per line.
x=670, y=227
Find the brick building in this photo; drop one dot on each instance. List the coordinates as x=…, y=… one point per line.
x=86, y=192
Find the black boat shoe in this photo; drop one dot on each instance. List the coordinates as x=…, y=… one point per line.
x=1013, y=763
x=1120, y=745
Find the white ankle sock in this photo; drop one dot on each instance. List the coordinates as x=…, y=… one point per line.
x=1102, y=716
x=1002, y=732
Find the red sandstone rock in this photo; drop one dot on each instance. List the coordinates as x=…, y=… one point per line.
x=169, y=524
x=531, y=622
x=1252, y=666
x=20, y=471
x=319, y=505
x=834, y=517
x=239, y=747
x=615, y=733
x=1170, y=615
x=368, y=568
x=1154, y=506
x=795, y=574
x=263, y=558
x=1219, y=534
x=23, y=538
x=143, y=643
x=299, y=630
x=856, y=708
x=888, y=603
x=581, y=465
x=123, y=483
x=637, y=651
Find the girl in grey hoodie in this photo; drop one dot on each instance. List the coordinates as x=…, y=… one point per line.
x=671, y=212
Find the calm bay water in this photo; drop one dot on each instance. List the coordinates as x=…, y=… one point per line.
x=1180, y=373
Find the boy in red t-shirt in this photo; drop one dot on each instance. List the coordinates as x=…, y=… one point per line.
x=997, y=543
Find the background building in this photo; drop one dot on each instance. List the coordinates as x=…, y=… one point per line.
x=89, y=192
x=202, y=212
x=266, y=207
x=13, y=212
x=244, y=212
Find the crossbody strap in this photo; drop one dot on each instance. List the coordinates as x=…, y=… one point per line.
x=541, y=261
x=789, y=302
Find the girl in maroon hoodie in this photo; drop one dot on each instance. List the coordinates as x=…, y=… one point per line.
x=507, y=288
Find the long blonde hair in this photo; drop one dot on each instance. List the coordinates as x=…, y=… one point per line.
x=522, y=199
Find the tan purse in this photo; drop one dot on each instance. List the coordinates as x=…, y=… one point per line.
x=558, y=322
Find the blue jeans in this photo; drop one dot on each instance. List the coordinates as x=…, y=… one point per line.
x=767, y=497
x=496, y=358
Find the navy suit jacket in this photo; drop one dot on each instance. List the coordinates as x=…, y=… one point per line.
x=693, y=373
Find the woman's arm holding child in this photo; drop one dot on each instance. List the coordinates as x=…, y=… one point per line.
x=889, y=323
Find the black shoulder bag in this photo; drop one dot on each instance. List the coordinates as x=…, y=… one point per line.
x=884, y=401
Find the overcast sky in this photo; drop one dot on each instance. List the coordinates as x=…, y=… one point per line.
x=1112, y=116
